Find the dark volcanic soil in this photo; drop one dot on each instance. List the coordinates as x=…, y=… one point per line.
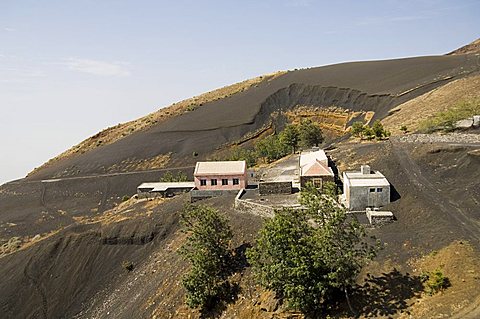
x=371, y=86
x=78, y=271
x=74, y=267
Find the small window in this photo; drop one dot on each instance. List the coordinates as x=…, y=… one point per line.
x=224, y=181
x=203, y=182
x=213, y=182
x=236, y=181
x=379, y=190
x=372, y=190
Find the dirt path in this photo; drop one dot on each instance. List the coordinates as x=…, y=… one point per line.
x=454, y=139
x=449, y=208
x=470, y=312
x=53, y=180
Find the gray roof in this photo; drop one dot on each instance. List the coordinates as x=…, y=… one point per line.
x=375, y=178
x=161, y=186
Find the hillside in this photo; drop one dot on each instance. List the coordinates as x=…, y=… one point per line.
x=413, y=112
x=375, y=86
x=65, y=230
x=471, y=48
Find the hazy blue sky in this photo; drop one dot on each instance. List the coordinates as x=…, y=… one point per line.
x=71, y=68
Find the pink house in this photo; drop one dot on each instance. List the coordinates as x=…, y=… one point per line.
x=222, y=175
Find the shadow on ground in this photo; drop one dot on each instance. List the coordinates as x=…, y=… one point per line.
x=387, y=294
x=230, y=291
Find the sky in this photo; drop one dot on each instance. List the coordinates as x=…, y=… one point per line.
x=70, y=68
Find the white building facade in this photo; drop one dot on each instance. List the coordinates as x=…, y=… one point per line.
x=365, y=189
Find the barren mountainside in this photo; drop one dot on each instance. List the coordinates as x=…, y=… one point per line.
x=67, y=229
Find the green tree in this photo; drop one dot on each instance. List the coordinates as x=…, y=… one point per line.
x=207, y=249
x=271, y=148
x=240, y=154
x=169, y=177
x=306, y=257
x=290, y=137
x=379, y=131
x=357, y=129
x=310, y=133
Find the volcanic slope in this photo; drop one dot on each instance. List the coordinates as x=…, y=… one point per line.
x=376, y=86
x=67, y=259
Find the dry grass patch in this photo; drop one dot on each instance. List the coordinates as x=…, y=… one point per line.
x=412, y=113
x=15, y=244
x=128, y=209
x=460, y=263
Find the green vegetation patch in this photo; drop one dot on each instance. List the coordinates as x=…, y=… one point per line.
x=435, y=281
x=170, y=177
x=276, y=146
x=311, y=257
x=207, y=250
x=365, y=132
x=445, y=121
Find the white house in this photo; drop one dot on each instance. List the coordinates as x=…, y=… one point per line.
x=313, y=167
x=366, y=188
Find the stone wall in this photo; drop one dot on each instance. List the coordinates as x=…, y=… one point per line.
x=378, y=218
x=252, y=208
x=266, y=188
x=202, y=194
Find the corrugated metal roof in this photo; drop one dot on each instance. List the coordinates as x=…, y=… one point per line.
x=221, y=168
x=161, y=186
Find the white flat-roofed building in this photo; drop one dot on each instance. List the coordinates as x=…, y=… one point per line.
x=366, y=188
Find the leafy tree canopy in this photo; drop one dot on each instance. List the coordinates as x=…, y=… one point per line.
x=307, y=257
x=290, y=137
x=207, y=249
x=310, y=133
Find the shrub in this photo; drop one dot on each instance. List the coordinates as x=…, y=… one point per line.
x=435, y=281
x=446, y=120
x=128, y=265
x=169, y=177
x=125, y=198
x=404, y=129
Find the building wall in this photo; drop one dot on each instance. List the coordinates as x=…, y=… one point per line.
x=305, y=179
x=243, y=182
x=358, y=199
x=196, y=194
x=265, y=188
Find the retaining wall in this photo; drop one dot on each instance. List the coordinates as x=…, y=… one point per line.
x=252, y=208
x=266, y=188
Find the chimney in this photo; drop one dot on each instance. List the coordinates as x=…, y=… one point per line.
x=476, y=120
x=365, y=169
